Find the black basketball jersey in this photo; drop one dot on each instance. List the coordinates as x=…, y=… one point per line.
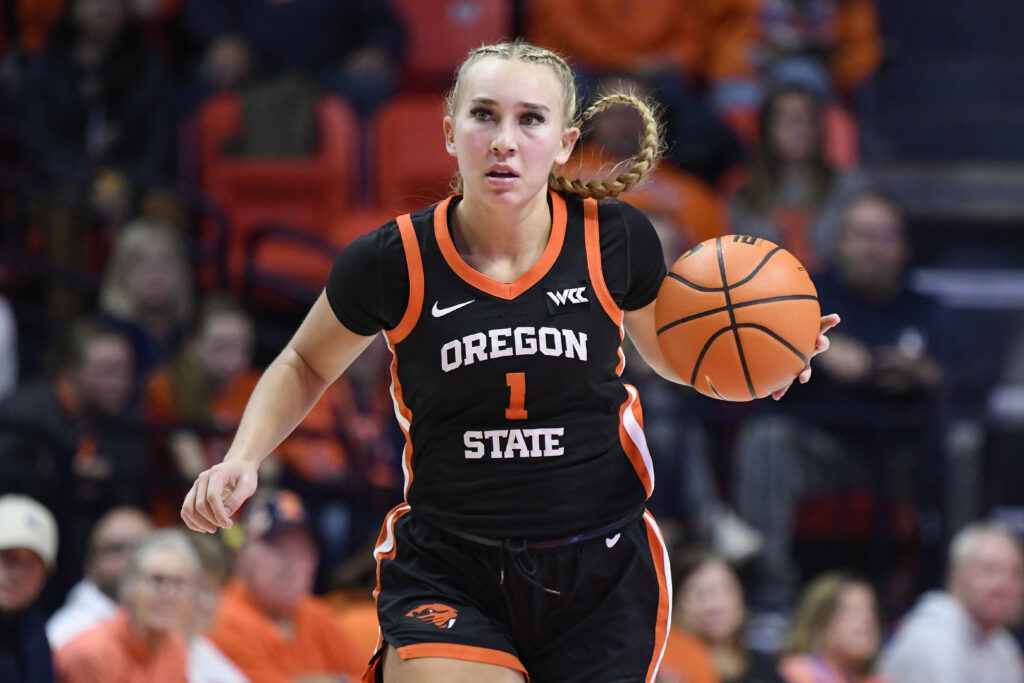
x=516, y=419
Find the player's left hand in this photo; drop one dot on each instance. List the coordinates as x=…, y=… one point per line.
x=820, y=345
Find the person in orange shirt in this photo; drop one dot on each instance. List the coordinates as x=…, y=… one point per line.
x=829, y=46
x=143, y=642
x=662, y=43
x=710, y=605
x=835, y=634
x=198, y=401
x=269, y=623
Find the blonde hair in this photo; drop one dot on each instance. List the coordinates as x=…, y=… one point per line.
x=650, y=147
x=115, y=297
x=817, y=606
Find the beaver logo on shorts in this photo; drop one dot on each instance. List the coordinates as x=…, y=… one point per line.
x=441, y=616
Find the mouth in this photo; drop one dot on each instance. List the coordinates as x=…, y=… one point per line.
x=502, y=172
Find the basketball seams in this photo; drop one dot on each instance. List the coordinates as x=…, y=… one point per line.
x=774, y=335
x=777, y=319
x=742, y=304
x=732, y=313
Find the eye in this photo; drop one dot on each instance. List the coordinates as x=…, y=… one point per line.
x=532, y=118
x=480, y=113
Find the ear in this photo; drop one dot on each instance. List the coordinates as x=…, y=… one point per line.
x=569, y=138
x=449, y=134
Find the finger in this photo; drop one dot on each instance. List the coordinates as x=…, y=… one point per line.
x=242, y=491
x=805, y=375
x=188, y=513
x=779, y=393
x=202, y=507
x=215, y=501
x=828, y=322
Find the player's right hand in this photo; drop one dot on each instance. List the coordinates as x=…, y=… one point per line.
x=217, y=494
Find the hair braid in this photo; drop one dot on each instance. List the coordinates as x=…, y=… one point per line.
x=644, y=161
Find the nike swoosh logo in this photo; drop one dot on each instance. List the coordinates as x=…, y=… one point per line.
x=610, y=542
x=440, y=312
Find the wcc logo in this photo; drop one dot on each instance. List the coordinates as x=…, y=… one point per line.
x=436, y=614
x=566, y=298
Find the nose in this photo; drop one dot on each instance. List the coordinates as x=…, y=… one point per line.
x=503, y=140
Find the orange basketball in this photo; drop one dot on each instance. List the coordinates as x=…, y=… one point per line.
x=737, y=317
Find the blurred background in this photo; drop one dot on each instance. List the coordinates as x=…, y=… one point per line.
x=177, y=177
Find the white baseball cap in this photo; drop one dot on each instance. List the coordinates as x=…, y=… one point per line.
x=26, y=523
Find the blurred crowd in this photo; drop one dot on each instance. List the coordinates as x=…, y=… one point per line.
x=176, y=177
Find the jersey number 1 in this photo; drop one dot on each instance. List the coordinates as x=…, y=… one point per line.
x=516, y=382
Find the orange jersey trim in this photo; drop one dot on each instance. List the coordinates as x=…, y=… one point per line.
x=415, y=265
x=488, y=285
x=632, y=439
x=592, y=239
x=385, y=548
x=469, y=653
x=404, y=416
x=661, y=566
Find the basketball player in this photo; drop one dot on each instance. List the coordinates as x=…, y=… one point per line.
x=523, y=549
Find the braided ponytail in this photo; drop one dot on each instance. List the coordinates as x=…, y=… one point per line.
x=651, y=145
x=642, y=163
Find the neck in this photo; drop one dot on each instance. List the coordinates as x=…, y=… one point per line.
x=486, y=234
x=151, y=637
x=729, y=658
x=847, y=666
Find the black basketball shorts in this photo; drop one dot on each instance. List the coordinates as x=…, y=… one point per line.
x=596, y=610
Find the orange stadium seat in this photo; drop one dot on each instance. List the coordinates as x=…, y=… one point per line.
x=305, y=195
x=440, y=34
x=411, y=168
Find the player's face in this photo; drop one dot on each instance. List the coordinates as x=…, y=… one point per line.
x=851, y=634
x=507, y=130
x=712, y=603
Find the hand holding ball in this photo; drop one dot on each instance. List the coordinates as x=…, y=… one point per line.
x=737, y=317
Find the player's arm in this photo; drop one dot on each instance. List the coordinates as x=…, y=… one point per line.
x=639, y=326
x=321, y=349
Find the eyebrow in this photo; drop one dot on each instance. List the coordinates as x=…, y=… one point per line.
x=524, y=105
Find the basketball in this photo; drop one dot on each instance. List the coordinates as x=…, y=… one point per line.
x=737, y=317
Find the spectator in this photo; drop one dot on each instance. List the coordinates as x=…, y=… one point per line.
x=206, y=663
x=661, y=44
x=834, y=637
x=883, y=363
x=95, y=97
x=269, y=623
x=826, y=45
x=200, y=397
x=203, y=391
x=70, y=440
x=147, y=291
x=94, y=598
x=100, y=131
x=351, y=48
x=28, y=548
x=794, y=195
x=960, y=634
x=143, y=640
x=8, y=349
x=709, y=604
